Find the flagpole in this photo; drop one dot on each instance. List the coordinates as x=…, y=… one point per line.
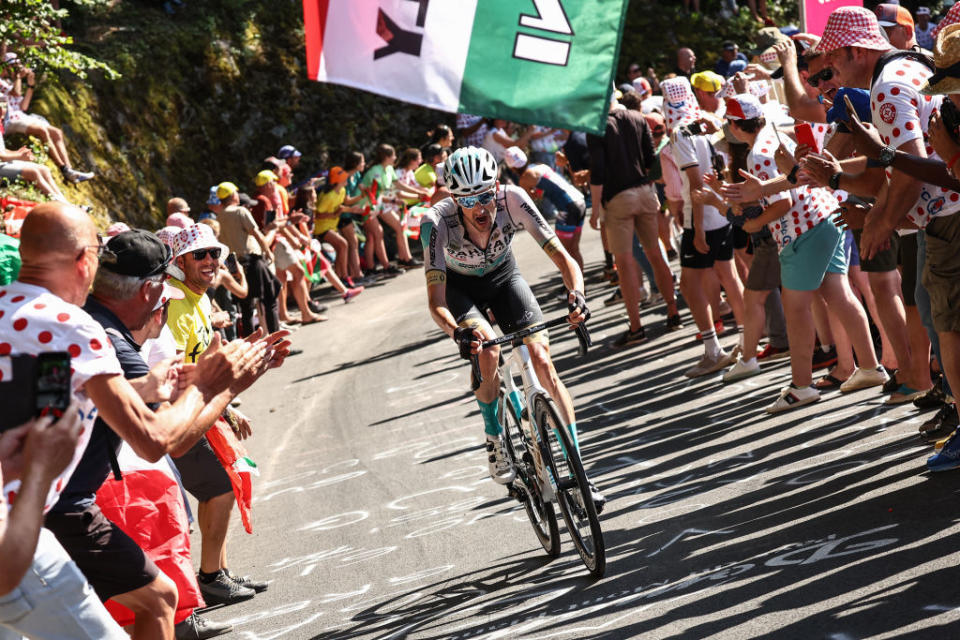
x=803, y=16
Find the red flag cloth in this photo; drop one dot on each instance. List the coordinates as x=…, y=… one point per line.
x=148, y=506
x=233, y=457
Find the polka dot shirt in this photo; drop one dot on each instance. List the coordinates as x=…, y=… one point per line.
x=33, y=320
x=901, y=114
x=810, y=206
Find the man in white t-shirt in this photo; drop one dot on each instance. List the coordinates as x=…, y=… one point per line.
x=706, y=247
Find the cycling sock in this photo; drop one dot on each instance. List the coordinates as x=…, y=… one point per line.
x=572, y=429
x=491, y=426
x=710, y=343
x=516, y=401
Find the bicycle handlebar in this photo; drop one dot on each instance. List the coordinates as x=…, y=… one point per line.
x=583, y=337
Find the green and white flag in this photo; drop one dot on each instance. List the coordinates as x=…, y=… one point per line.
x=549, y=62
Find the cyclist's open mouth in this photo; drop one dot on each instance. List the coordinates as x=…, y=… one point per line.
x=481, y=219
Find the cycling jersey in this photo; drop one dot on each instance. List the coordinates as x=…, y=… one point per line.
x=447, y=246
x=557, y=190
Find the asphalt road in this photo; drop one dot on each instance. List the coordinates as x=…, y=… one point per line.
x=374, y=516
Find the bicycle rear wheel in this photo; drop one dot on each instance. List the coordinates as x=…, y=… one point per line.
x=542, y=516
x=573, y=489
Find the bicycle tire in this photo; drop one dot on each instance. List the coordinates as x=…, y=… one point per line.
x=542, y=516
x=581, y=519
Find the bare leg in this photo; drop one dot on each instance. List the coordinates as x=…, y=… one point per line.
x=547, y=374
x=845, y=363
x=645, y=225
x=841, y=301
x=154, y=607
x=886, y=290
x=861, y=284
x=213, y=516
x=919, y=347
x=572, y=245
x=341, y=247
x=353, y=252
x=43, y=134
x=800, y=333
x=732, y=284
x=628, y=269
x=391, y=219
x=754, y=315
x=301, y=294
x=692, y=285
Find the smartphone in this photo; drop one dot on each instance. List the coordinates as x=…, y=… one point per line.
x=231, y=263
x=804, y=133
x=52, y=387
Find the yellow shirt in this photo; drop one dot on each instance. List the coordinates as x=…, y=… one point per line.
x=326, y=215
x=189, y=322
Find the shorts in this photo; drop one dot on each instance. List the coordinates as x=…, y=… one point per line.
x=569, y=221
x=23, y=121
x=54, y=601
x=908, y=268
x=941, y=274
x=805, y=261
x=886, y=260
x=503, y=291
x=720, y=242
x=284, y=256
x=346, y=220
x=12, y=169
x=764, y=274
x=850, y=249
x=202, y=474
x=741, y=239
x=632, y=211
x=112, y=562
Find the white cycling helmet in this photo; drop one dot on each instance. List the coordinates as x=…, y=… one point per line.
x=515, y=158
x=470, y=170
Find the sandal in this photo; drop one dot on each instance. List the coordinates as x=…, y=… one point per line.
x=828, y=383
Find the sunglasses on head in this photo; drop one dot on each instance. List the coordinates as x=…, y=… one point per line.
x=483, y=199
x=824, y=75
x=200, y=254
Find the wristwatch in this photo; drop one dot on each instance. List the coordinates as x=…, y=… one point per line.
x=792, y=176
x=834, y=182
x=887, y=154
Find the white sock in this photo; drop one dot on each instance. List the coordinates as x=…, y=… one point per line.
x=752, y=362
x=710, y=343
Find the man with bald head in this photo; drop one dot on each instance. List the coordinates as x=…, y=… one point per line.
x=40, y=312
x=686, y=62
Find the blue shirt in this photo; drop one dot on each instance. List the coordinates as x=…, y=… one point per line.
x=723, y=67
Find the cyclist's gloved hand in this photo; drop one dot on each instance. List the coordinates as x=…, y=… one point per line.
x=579, y=302
x=464, y=337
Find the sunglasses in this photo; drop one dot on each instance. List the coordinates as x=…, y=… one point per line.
x=200, y=254
x=103, y=254
x=483, y=199
x=824, y=75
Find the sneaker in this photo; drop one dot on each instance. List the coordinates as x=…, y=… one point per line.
x=630, y=338
x=197, y=628
x=741, y=369
x=644, y=293
x=671, y=254
x=501, y=468
x=709, y=365
x=863, y=378
x=615, y=298
x=223, y=590
x=792, y=397
x=940, y=425
x=655, y=298
x=246, y=581
x=74, y=176
x=771, y=353
x=674, y=323
x=933, y=398
x=948, y=457
x=351, y=293
x=609, y=273
x=824, y=359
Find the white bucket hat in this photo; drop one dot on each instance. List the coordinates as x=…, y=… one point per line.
x=198, y=236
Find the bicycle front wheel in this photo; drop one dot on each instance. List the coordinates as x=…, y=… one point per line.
x=572, y=487
x=542, y=517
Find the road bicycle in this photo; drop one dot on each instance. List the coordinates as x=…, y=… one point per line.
x=543, y=453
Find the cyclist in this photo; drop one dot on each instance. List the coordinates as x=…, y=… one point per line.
x=470, y=267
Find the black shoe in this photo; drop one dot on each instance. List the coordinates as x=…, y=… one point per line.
x=197, y=628
x=615, y=298
x=941, y=425
x=316, y=307
x=630, y=338
x=223, y=590
x=674, y=323
x=671, y=254
x=412, y=263
x=892, y=384
x=932, y=399
x=823, y=359
x=391, y=271
x=248, y=582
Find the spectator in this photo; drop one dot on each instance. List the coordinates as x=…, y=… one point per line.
x=9, y=258
x=242, y=236
x=322, y=211
x=471, y=129
x=686, y=62
x=213, y=206
x=178, y=205
x=426, y=173
x=633, y=72
x=19, y=164
x=290, y=154
x=440, y=135
x=898, y=25
x=228, y=286
x=197, y=254
x=409, y=162
x=117, y=228
x=620, y=163
x=381, y=189
x=923, y=28
x=18, y=121
x=729, y=51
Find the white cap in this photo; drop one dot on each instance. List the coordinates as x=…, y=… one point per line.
x=515, y=158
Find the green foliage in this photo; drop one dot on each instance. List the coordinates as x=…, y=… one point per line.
x=32, y=29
